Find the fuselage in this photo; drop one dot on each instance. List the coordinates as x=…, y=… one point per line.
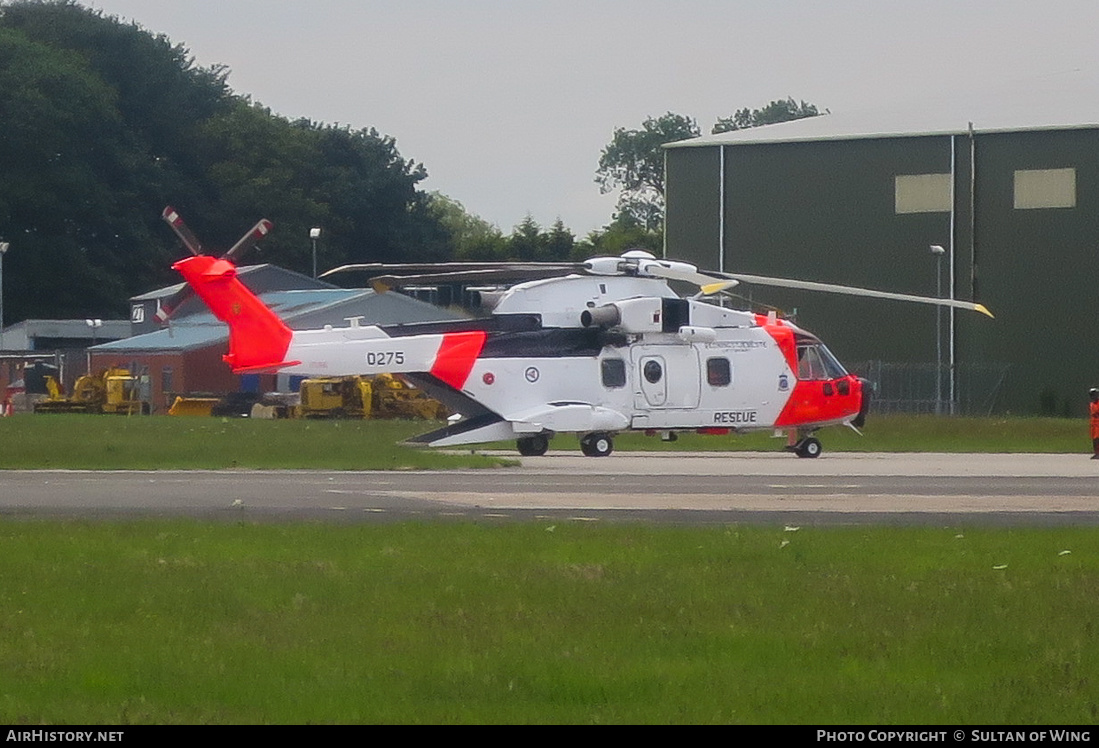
x=584, y=353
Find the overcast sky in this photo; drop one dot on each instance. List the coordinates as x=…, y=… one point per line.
x=508, y=103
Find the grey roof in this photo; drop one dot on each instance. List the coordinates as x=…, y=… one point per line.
x=288, y=278
x=301, y=310
x=70, y=328
x=1059, y=102
x=177, y=337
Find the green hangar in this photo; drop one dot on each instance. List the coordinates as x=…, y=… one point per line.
x=1002, y=210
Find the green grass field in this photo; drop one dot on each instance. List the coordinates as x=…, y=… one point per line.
x=156, y=622
x=121, y=442
x=102, y=442
x=181, y=622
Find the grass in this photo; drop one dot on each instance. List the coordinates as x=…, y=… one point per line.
x=103, y=442
x=184, y=622
x=896, y=433
x=121, y=442
x=155, y=622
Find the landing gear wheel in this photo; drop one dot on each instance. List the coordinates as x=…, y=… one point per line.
x=597, y=445
x=533, y=446
x=808, y=447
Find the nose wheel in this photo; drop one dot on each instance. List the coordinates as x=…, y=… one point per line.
x=596, y=445
x=808, y=447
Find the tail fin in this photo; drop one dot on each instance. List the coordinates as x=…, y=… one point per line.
x=258, y=339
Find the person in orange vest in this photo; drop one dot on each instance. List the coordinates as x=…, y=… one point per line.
x=1093, y=411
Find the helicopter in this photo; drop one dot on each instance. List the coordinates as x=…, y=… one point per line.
x=595, y=349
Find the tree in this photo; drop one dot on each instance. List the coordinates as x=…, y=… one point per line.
x=780, y=110
x=473, y=238
x=526, y=241
x=559, y=243
x=65, y=170
x=106, y=123
x=616, y=238
x=634, y=163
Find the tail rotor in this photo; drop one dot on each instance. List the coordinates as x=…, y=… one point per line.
x=194, y=246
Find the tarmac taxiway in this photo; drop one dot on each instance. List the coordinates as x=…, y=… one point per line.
x=844, y=488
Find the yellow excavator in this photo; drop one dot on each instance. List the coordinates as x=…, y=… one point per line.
x=380, y=396
x=112, y=390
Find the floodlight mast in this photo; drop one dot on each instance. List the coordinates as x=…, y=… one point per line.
x=314, y=234
x=3, y=250
x=938, y=251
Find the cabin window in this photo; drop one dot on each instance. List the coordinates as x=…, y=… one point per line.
x=718, y=372
x=653, y=371
x=614, y=373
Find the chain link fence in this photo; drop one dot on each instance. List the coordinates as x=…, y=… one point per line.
x=918, y=388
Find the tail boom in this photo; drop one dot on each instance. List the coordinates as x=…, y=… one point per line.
x=258, y=339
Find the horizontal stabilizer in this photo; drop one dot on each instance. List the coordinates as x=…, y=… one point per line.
x=488, y=427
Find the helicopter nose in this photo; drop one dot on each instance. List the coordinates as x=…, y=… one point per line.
x=866, y=390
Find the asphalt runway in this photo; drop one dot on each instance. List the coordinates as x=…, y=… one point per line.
x=837, y=488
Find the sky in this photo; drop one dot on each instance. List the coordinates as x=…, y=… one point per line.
x=509, y=103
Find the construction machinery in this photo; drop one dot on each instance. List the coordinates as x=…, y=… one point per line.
x=379, y=396
x=112, y=390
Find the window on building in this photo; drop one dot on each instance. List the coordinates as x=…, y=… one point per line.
x=718, y=372
x=614, y=373
x=922, y=193
x=166, y=383
x=1045, y=188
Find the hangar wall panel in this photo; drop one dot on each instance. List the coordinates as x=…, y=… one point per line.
x=1023, y=232
x=693, y=206
x=826, y=211
x=1038, y=270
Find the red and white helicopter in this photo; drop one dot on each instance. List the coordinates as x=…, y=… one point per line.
x=595, y=349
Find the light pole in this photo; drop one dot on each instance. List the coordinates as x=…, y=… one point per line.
x=95, y=324
x=3, y=250
x=314, y=234
x=938, y=251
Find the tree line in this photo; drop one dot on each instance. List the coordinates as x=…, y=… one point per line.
x=105, y=123
x=633, y=162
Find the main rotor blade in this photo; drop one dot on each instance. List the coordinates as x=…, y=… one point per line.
x=174, y=220
x=491, y=275
x=854, y=291
x=708, y=284
x=401, y=269
x=248, y=241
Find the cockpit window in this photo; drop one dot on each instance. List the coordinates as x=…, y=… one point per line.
x=817, y=362
x=832, y=366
